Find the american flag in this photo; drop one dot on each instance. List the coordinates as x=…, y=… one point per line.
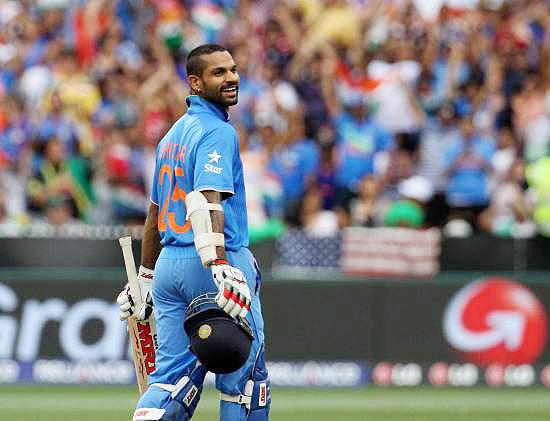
x=387, y=252
x=373, y=252
x=298, y=252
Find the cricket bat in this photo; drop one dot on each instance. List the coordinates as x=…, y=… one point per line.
x=143, y=333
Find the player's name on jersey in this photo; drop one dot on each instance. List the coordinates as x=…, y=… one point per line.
x=172, y=151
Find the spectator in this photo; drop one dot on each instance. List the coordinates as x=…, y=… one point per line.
x=268, y=140
x=326, y=174
x=294, y=161
x=106, y=79
x=59, y=210
x=394, y=94
x=403, y=160
x=509, y=211
x=16, y=135
x=359, y=138
x=532, y=118
x=8, y=226
x=59, y=175
x=316, y=221
x=260, y=226
x=305, y=73
x=504, y=158
x=364, y=206
x=55, y=124
x=276, y=96
x=467, y=161
x=409, y=211
x=439, y=131
x=123, y=165
x=250, y=87
x=15, y=153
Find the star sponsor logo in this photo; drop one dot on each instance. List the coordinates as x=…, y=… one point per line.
x=212, y=168
x=214, y=157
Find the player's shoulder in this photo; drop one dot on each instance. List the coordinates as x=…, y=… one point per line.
x=220, y=126
x=187, y=129
x=220, y=129
x=163, y=141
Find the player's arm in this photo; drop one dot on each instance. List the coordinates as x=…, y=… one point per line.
x=150, y=251
x=205, y=211
x=150, y=246
x=217, y=218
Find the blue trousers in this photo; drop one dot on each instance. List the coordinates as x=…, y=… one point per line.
x=179, y=278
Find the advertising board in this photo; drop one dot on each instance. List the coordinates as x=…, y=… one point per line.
x=485, y=331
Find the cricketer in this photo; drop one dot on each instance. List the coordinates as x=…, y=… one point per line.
x=197, y=274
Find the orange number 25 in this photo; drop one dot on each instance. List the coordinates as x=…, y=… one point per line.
x=177, y=194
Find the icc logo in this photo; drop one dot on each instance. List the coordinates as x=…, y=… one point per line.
x=496, y=320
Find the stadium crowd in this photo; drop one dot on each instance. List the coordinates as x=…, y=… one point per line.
x=358, y=112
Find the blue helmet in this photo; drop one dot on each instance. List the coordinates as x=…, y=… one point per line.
x=221, y=343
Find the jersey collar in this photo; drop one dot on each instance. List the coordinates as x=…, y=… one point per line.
x=198, y=104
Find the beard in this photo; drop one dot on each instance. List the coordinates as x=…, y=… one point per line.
x=216, y=95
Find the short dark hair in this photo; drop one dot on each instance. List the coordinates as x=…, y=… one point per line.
x=195, y=65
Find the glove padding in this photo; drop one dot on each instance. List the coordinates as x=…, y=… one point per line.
x=126, y=302
x=233, y=295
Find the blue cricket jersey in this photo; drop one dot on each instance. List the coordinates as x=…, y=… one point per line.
x=468, y=182
x=293, y=165
x=357, y=144
x=199, y=152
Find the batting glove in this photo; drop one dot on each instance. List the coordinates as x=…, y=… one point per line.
x=126, y=302
x=233, y=295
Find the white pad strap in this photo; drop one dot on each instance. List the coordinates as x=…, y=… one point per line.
x=174, y=389
x=245, y=399
x=240, y=399
x=164, y=386
x=206, y=241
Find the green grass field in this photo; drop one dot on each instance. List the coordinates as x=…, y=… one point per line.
x=23, y=403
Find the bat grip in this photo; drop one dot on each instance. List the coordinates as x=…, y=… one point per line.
x=130, y=265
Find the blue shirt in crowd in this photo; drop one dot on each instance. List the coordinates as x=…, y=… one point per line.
x=357, y=143
x=468, y=180
x=14, y=138
x=62, y=129
x=293, y=165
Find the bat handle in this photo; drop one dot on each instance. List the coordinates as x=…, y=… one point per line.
x=130, y=265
